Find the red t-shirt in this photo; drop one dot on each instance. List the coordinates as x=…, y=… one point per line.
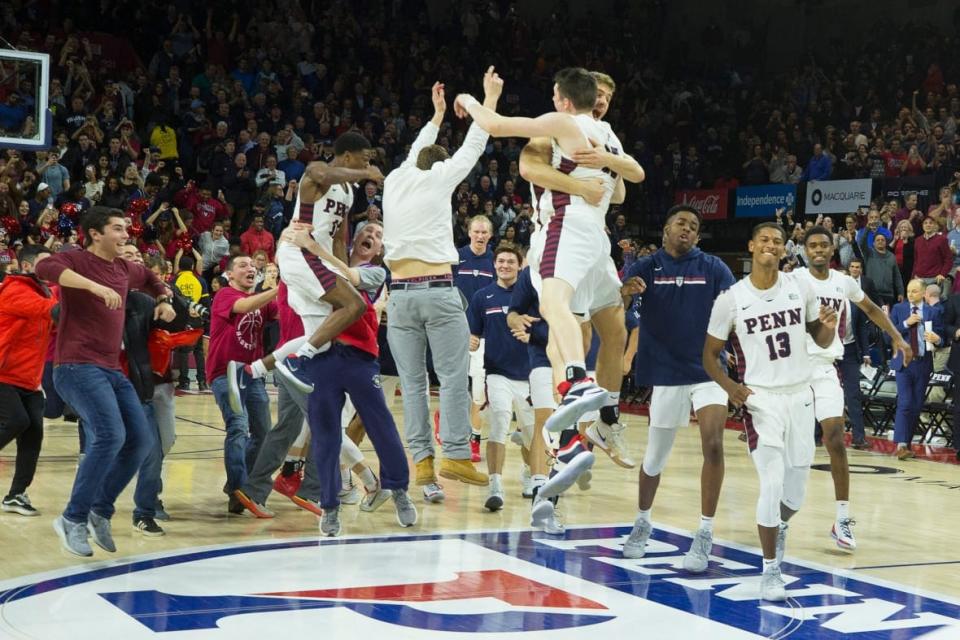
x=235, y=336
x=205, y=213
x=88, y=332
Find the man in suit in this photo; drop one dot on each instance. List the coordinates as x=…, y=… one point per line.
x=951, y=326
x=855, y=353
x=910, y=318
x=855, y=269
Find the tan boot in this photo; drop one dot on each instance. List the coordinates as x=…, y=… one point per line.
x=462, y=470
x=425, y=474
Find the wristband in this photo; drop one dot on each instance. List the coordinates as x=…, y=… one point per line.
x=469, y=102
x=164, y=300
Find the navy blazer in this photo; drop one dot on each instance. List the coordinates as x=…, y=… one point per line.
x=861, y=330
x=901, y=311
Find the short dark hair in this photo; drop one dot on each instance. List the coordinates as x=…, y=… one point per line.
x=506, y=248
x=817, y=230
x=153, y=180
x=229, y=265
x=350, y=141
x=30, y=252
x=857, y=260
x=682, y=208
x=578, y=86
x=430, y=155
x=768, y=225
x=186, y=263
x=96, y=218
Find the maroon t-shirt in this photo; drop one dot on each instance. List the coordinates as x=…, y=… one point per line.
x=235, y=336
x=88, y=332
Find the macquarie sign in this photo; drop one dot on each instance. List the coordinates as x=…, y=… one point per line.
x=711, y=204
x=837, y=196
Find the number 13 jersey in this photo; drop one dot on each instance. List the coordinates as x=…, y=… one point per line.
x=767, y=330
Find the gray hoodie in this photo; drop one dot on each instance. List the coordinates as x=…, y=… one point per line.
x=881, y=269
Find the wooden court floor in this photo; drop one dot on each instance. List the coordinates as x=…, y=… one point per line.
x=906, y=512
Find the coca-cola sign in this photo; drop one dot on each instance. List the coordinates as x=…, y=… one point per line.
x=710, y=203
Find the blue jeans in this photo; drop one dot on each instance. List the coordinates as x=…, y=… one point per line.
x=115, y=430
x=245, y=431
x=147, y=493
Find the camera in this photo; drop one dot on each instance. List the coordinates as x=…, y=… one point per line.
x=199, y=310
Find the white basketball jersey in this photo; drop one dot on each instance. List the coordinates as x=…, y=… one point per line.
x=551, y=201
x=326, y=214
x=836, y=291
x=769, y=336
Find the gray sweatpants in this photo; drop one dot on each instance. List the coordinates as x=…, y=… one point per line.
x=291, y=408
x=436, y=317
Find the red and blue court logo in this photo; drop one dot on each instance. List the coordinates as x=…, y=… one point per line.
x=505, y=584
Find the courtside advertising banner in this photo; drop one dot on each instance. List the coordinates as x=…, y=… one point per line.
x=763, y=202
x=711, y=204
x=837, y=196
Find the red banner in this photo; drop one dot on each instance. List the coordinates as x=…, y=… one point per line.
x=710, y=203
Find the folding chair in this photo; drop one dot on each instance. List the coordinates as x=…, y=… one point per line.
x=880, y=402
x=939, y=411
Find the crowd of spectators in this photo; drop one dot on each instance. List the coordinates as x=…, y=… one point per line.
x=203, y=138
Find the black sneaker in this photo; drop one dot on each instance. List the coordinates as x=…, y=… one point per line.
x=183, y=386
x=19, y=504
x=148, y=527
x=202, y=387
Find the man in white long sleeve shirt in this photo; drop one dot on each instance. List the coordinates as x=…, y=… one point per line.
x=425, y=307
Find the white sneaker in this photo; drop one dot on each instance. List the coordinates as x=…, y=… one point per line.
x=636, y=544
x=781, y=542
x=349, y=495
x=494, y=500
x=697, y=559
x=772, y=586
x=842, y=532
x=373, y=499
x=433, y=492
x=609, y=437
x=584, y=396
x=526, y=482
x=544, y=516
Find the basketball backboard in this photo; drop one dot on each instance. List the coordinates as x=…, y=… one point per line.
x=25, y=119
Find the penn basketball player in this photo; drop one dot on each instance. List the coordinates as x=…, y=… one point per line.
x=603, y=309
x=326, y=302
x=767, y=317
x=838, y=290
x=677, y=286
x=569, y=249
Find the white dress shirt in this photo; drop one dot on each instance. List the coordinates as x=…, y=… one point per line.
x=417, y=213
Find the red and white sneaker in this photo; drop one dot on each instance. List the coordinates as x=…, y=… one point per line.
x=842, y=533
x=288, y=485
x=436, y=427
x=474, y=448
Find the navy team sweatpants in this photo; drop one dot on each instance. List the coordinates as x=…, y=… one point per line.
x=340, y=370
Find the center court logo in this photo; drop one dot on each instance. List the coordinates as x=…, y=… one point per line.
x=394, y=604
x=482, y=585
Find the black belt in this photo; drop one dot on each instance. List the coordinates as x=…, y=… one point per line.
x=412, y=286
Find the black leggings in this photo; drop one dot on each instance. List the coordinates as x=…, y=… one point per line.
x=21, y=419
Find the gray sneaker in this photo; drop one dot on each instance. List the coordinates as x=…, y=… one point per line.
x=636, y=544
x=373, y=499
x=433, y=493
x=697, y=559
x=73, y=536
x=330, y=522
x=781, y=541
x=99, y=528
x=772, y=586
x=406, y=510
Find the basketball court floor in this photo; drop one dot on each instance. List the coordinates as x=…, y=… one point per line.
x=462, y=572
